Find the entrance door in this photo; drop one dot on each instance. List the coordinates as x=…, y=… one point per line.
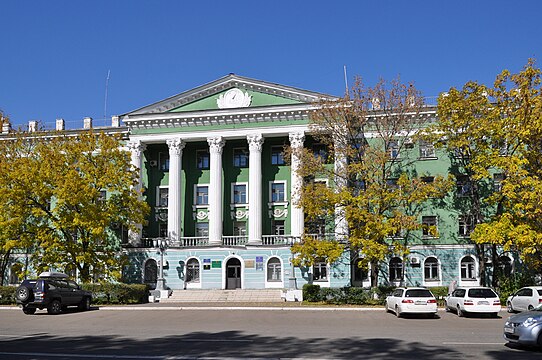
x=233, y=274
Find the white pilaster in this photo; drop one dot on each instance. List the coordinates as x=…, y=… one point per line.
x=216, y=145
x=297, y=215
x=136, y=149
x=255, y=142
x=176, y=147
x=341, y=181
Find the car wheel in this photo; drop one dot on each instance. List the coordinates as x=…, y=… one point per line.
x=509, y=307
x=23, y=293
x=54, y=307
x=539, y=341
x=446, y=308
x=29, y=311
x=530, y=308
x=85, y=304
x=397, y=313
x=460, y=312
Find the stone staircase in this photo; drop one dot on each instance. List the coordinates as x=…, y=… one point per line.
x=229, y=296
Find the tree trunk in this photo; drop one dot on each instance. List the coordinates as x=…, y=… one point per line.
x=374, y=274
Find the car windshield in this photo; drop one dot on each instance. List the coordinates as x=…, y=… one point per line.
x=539, y=292
x=418, y=293
x=482, y=293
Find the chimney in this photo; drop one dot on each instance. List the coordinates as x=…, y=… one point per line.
x=115, y=121
x=32, y=126
x=6, y=126
x=60, y=125
x=87, y=123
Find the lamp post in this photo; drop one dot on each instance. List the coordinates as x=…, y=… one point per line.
x=162, y=245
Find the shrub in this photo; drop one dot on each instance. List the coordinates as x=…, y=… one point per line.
x=7, y=295
x=118, y=293
x=311, y=293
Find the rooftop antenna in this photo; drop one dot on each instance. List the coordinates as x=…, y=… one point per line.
x=106, y=87
x=345, y=81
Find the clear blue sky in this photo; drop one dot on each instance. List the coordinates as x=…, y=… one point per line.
x=55, y=55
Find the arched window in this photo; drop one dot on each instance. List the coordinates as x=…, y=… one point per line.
x=504, y=265
x=274, y=269
x=468, y=268
x=431, y=269
x=150, y=273
x=192, y=271
x=15, y=273
x=396, y=269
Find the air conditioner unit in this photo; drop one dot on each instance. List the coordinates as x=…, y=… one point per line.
x=153, y=163
x=414, y=261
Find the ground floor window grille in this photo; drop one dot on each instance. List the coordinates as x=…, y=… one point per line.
x=319, y=271
x=431, y=269
x=274, y=270
x=396, y=269
x=468, y=268
x=192, y=271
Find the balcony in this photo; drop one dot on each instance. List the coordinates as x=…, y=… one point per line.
x=227, y=241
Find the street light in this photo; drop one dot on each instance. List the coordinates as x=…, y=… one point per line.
x=162, y=245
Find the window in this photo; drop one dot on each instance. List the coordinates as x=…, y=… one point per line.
x=319, y=270
x=277, y=155
x=504, y=265
x=277, y=227
x=468, y=268
x=202, y=195
x=396, y=269
x=430, y=268
x=320, y=151
x=278, y=192
x=239, y=193
x=240, y=157
x=239, y=228
x=162, y=229
x=316, y=226
x=392, y=183
x=202, y=159
x=463, y=186
x=466, y=225
x=429, y=226
x=427, y=150
x=163, y=160
x=360, y=273
x=428, y=179
x=102, y=196
x=192, y=271
x=393, y=149
x=274, y=269
x=497, y=181
x=162, y=198
x=202, y=229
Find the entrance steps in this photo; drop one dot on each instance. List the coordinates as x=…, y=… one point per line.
x=233, y=296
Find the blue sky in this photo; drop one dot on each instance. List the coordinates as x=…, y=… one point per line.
x=55, y=55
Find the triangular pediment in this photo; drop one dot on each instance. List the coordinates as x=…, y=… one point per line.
x=232, y=92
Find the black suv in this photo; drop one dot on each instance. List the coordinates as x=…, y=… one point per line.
x=53, y=291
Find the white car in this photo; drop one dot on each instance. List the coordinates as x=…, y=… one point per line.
x=524, y=299
x=411, y=301
x=473, y=300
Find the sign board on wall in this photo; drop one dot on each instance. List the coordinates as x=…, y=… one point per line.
x=249, y=264
x=216, y=264
x=259, y=262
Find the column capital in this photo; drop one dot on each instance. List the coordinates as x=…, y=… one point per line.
x=175, y=146
x=255, y=142
x=216, y=144
x=136, y=146
x=297, y=139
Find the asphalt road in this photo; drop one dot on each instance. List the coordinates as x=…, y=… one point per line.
x=162, y=333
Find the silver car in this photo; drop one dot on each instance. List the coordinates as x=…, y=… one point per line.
x=525, y=328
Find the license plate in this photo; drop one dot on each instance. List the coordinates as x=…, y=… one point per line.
x=483, y=302
x=509, y=330
x=421, y=302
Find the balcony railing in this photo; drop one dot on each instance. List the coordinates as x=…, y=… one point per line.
x=280, y=239
x=236, y=240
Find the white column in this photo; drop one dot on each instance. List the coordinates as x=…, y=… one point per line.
x=297, y=215
x=341, y=181
x=136, y=148
x=176, y=147
x=216, y=145
x=255, y=142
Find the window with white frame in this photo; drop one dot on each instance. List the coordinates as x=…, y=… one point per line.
x=429, y=226
x=319, y=270
x=202, y=229
x=431, y=269
x=278, y=192
x=192, y=271
x=393, y=149
x=497, y=182
x=466, y=225
x=162, y=196
x=320, y=151
x=239, y=193
x=102, y=196
x=277, y=227
x=274, y=269
x=202, y=195
x=163, y=161
x=162, y=229
x=396, y=269
x=427, y=150
x=277, y=155
x=240, y=157
x=463, y=186
x=202, y=159
x=504, y=265
x=468, y=267
x=239, y=228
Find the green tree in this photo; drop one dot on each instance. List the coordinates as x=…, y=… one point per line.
x=376, y=191
x=61, y=196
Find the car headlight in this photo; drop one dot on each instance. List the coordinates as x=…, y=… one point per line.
x=530, y=321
